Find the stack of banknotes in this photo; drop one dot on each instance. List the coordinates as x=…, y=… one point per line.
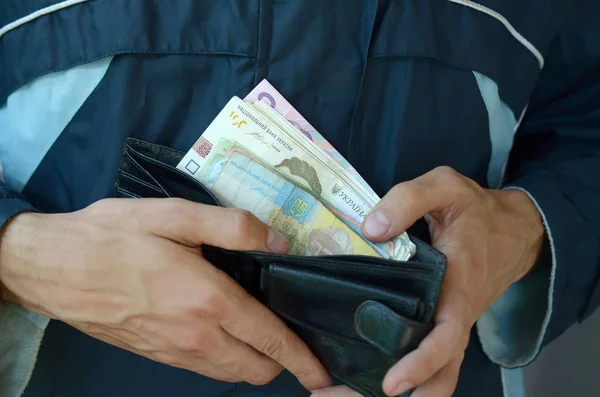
x=261, y=155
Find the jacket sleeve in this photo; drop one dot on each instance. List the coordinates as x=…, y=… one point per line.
x=556, y=161
x=11, y=204
x=21, y=331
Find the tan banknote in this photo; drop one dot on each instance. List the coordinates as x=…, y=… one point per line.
x=240, y=122
x=240, y=180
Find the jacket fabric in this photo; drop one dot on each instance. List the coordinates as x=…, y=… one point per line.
x=507, y=93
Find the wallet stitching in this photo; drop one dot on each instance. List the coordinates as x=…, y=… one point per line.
x=127, y=175
x=137, y=164
x=120, y=171
x=381, y=270
x=127, y=192
x=367, y=262
x=152, y=146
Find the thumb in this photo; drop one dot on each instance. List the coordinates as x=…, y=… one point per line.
x=438, y=192
x=193, y=224
x=229, y=228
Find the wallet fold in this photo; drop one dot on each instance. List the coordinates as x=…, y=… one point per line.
x=358, y=314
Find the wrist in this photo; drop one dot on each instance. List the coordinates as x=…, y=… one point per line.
x=531, y=231
x=16, y=248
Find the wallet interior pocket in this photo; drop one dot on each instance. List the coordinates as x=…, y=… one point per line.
x=137, y=187
x=172, y=181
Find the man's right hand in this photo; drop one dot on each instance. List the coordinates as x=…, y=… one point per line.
x=131, y=273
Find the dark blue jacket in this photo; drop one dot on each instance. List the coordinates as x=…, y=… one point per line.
x=507, y=93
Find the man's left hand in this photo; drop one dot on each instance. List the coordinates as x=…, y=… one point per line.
x=491, y=239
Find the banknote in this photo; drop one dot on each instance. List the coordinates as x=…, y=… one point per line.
x=219, y=157
x=400, y=243
x=267, y=96
x=264, y=108
x=240, y=180
x=240, y=122
x=264, y=91
x=267, y=111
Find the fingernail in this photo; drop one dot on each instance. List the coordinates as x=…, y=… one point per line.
x=377, y=224
x=402, y=388
x=277, y=242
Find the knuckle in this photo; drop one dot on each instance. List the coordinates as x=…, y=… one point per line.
x=448, y=177
x=408, y=194
x=105, y=207
x=275, y=347
x=97, y=206
x=191, y=342
x=431, y=351
x=212, y=305
x=261, y=378
x=305, y=373
x=446, y=172
x=175, y=206
x=452, y=179
x=165, y=358
x=226, y=360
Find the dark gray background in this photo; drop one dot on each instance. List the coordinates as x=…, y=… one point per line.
x=569, y=366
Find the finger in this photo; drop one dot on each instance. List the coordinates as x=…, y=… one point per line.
x=256, y=325
x=407, y=202
x=240, y=360
x=435, y=351
x=443, y=383
x=186, y=343
x=199, y=365
x=195, y=224
x=336, y=391
x=208, y=369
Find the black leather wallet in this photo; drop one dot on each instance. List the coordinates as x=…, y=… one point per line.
x=358, y=314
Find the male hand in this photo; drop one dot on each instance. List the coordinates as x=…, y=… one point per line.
x=131, y=273
x=491, y=239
